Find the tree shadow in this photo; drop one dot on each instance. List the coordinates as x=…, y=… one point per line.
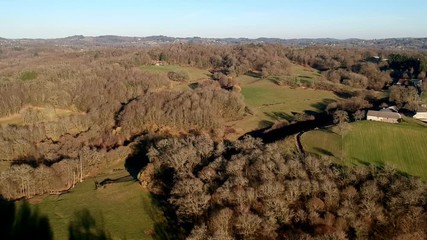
x=367, y=164
x=321, y=120
x=193, y=85
x=265, y=124
x=322, y=105
x=83, y=226
x=324, y=151
x=276, y=80
x=164, y=217
x=157, y=207
x=343, y=94
x=277, y=116
x=254, y=74
x=138, y=159
x=22, y=222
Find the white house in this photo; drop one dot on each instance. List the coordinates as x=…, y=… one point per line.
x=421, y=116
x=383, y=116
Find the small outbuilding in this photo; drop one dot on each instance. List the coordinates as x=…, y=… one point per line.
x=421, y=116
x=383, y=116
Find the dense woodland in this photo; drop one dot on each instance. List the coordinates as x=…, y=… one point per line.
x=215, y=189
x=249, y=190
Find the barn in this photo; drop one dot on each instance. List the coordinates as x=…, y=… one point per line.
x=421, y=116
x=383, y=116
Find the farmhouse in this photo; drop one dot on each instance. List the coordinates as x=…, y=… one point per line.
x=421, y=116
x=383, y=116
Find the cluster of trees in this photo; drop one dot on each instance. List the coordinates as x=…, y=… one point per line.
x=345, y=66
x=249, y=190
x=404, y=97
x=30, y=177
x=354, y=106
x=362, y=68
x=409, y=66
x=228, y=61
x=201, y=108
x=110, y=100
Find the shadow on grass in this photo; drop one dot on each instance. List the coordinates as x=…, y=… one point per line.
x=138, y=159
x=324, y=151
x=366, y=163
x=343, y=94
x=265, y=124
x=83, y=226
x=277, y=116
x=382, y=165
x=321, y=106
x=22, y=222
x=164, y=218
x=321, y=120
x=157, y=207
x=254, y=74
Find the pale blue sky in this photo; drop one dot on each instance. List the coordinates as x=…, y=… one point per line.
x=367, y=19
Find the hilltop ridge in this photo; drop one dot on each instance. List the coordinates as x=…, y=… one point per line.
x=115, y=40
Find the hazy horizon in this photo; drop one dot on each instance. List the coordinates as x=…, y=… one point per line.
x=214, y=19
x=250, y=38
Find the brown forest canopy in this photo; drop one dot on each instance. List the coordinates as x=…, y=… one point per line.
x=217, y=189
x=249, y=190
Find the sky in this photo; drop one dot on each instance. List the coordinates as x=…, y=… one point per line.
x=367, y=19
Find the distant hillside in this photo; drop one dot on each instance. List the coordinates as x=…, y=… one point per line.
x=80, y=40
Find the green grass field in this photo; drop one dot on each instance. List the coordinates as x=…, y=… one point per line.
x=124, y=209
x=304, y=74
x=194, y=73
x=402, y=146
x=270, y=102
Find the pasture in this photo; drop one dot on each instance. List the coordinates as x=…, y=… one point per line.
x=270, y=103
x=402, y=146
x=194, y=73
x=123, y=209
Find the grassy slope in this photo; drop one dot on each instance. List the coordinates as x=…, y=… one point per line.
x=124, y=209
x=304, y=74
x=194, y=73
x=403, y=145
x=270, y=102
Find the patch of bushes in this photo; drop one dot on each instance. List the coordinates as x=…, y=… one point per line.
x=28, y=75
x=179, y=76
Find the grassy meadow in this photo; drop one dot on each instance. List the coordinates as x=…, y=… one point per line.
x=124, y=209
x=194, y=73
x=402, y=146
x=270, y=102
